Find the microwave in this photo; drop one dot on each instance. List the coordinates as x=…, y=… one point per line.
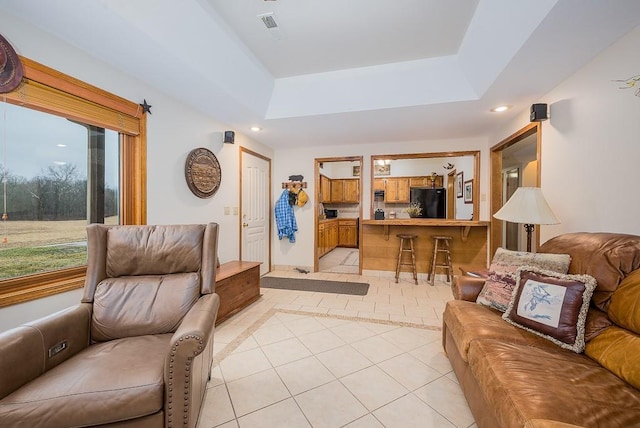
x=330, y=213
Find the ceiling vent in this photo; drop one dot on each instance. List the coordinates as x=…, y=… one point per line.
x=269, y=21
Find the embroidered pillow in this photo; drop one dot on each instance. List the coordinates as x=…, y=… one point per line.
x=551, y=305
x=498, y=287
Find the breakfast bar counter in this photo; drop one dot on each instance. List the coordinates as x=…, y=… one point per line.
x=379, y=245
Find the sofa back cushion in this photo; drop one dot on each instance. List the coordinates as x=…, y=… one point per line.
x=608, y=257
x=624, y=306
x=135, y=306
x=153, y=250
x=618, y=350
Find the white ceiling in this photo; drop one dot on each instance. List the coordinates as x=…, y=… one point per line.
x=343, y=71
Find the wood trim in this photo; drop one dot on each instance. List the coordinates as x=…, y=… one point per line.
x=37, y=72
x=496, y=178
x=48, y=90
x=316, y=219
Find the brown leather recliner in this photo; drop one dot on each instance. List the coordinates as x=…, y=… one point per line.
x=136, y=352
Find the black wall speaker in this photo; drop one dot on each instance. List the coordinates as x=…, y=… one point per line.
x=538, y=113
x=229, y=137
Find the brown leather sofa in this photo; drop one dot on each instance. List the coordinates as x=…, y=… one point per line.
x=136, y=352
x=513, y=378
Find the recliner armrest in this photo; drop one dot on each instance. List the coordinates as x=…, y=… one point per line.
x=189, y=341
x=467, y=287
x=31, y=349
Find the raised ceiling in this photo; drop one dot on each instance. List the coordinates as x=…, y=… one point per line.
x=343, y=71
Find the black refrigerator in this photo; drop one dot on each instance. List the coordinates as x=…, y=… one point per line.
x=432, y=201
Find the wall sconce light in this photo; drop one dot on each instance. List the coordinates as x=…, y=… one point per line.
x=229, y=137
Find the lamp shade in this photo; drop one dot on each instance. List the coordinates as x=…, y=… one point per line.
x=527, y=205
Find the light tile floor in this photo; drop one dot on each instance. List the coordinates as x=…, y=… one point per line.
x=340, y=260
x=303, y=359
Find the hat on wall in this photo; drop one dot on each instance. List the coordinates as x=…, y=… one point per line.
x=10, y=67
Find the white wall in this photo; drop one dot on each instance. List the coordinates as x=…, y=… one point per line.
x=173, y=130
x=590, y=147
x=301, y=161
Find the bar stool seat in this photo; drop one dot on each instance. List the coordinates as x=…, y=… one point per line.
x=440, y=245
x=403, y=249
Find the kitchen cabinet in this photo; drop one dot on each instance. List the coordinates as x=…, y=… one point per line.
x=397, y=190
x=325, y=189
x=348, y=233
x=337, y=191
x=378, y=184
x=327, y=236
x=345, y=190
x=425, y=181
x=351, y=190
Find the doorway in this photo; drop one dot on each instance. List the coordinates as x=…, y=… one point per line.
x=520, y=150
x=338, y=207
x=255, y=209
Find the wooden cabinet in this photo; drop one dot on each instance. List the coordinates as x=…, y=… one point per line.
x=327, y=236
x=397, y=190
x=346, y=190
x=348, y=233
x=425, y=181
x=337, y=190
x=351, y=190
x=238, y=285
x=378, y=184
x=325, y=189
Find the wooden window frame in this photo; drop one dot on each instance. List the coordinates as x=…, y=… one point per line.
x=51, y=91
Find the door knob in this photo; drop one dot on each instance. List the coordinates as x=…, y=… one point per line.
x=245, y=224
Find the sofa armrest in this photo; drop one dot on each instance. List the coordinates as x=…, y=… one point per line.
x=190, y=340
x=467, y=287
x=31, y=349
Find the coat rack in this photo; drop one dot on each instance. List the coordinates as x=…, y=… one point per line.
x=294, y=185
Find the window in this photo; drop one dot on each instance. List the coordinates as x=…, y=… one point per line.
x=70, y=154
x=57, y=175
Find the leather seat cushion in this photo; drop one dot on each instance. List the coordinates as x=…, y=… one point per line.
x=107, y=382
x=468, y=321
x=524, y=382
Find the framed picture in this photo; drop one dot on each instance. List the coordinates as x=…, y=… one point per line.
x=356, y=171
x=468, y=192
x=459, y=184
x=382, y=169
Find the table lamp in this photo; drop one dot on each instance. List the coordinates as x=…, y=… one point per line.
x=528, y=206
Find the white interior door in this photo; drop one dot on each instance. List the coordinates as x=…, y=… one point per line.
x=255, y=215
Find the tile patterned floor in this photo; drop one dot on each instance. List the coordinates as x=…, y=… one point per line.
x=340, y=260
x=302, y=359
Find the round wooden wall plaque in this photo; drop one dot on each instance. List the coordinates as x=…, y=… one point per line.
x=202, y=171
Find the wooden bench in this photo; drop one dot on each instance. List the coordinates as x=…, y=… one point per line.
x=238, y=285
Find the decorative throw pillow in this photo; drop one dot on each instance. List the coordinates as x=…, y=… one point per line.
x=551, y=305
x=498, y=287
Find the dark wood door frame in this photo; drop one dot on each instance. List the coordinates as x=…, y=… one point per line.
x=496, y=177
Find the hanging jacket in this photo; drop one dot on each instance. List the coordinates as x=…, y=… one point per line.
x=285, y=219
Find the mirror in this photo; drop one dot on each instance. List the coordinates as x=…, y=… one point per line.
x=443, y=185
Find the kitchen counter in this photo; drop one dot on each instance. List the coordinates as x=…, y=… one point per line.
x=379, y=244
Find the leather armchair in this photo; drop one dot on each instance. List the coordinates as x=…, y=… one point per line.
x=136, y=351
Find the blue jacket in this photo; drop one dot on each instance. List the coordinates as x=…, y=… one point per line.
x=285, y=219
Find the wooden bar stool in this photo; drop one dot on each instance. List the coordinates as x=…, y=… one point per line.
x=403, y=249
x=440, y=245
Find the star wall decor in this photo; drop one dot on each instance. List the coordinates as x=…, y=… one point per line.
x=146, y=108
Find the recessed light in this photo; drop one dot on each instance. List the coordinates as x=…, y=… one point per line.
x=256, y=129
x=500, y=109
x=61, y=145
